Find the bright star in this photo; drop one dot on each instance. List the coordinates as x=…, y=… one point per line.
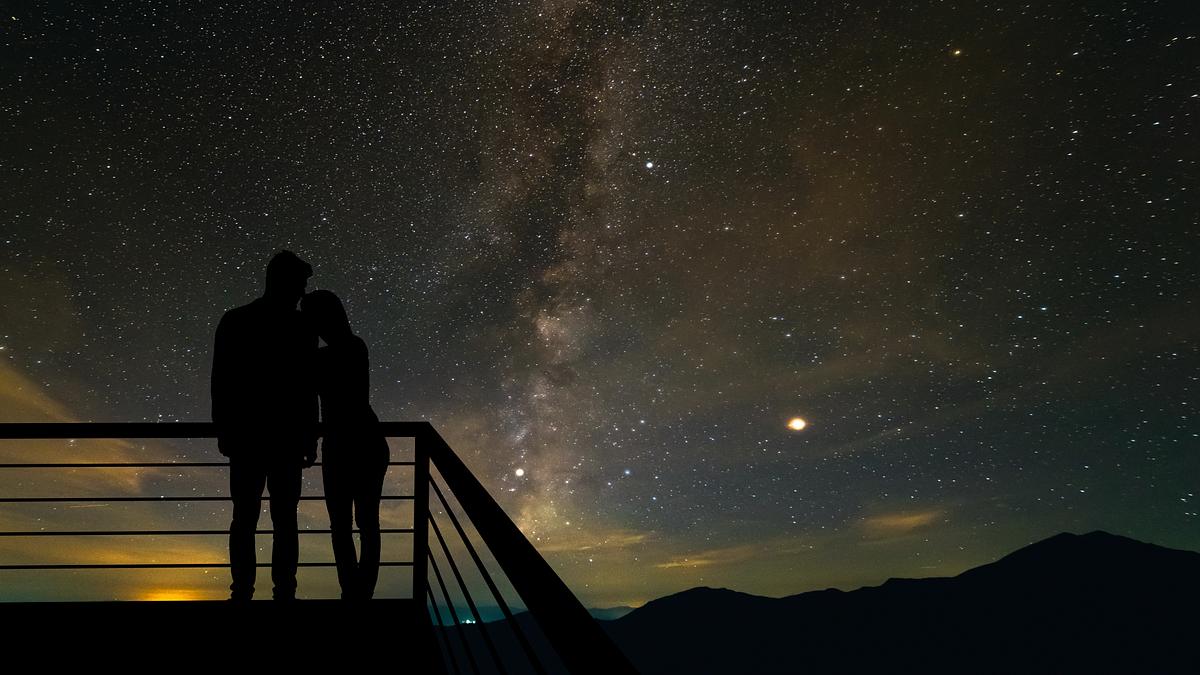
x=797, y=424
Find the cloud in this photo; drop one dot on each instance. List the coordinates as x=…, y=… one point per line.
x=23, y=400
x=899, y=523
x=711, y=557
x=585, y=542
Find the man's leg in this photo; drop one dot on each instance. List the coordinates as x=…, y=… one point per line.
x=246, y=482
x=283, y=482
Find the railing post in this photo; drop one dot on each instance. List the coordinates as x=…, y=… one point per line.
x=420, y=554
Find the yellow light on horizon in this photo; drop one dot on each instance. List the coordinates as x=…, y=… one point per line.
x=797, y=424
x=169, y=594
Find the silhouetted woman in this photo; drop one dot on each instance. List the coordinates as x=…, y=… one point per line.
x=354, y=454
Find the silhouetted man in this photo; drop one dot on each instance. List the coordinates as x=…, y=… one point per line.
x=265, y=407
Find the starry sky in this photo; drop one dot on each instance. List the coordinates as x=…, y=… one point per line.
x=610, y=250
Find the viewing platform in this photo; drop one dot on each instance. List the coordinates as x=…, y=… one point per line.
x=460, y=540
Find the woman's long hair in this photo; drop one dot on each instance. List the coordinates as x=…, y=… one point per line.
x=326, y=313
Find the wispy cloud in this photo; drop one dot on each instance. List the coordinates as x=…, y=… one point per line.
x=21, y=399
x=582, y=542
x=900, y=522
x=710, y=557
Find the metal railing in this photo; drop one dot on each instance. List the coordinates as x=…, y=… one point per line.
x=147, y=430
x=576, y=640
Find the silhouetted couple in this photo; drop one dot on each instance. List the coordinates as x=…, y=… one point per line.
x=267, y=376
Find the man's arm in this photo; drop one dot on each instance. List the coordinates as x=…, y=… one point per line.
x=312, y=406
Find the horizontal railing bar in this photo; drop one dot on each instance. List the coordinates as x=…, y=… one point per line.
x=156, y=533
x=141, y=465
x=175, y=566
x=69, y=430
x=102, y=500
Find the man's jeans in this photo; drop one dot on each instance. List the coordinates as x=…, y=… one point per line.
x=247, y=478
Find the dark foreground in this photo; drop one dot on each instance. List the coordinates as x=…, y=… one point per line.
x=306, y=636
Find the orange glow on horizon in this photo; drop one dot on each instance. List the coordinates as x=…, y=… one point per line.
x=168, y=594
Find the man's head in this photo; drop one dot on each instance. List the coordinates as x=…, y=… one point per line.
x=287, y=276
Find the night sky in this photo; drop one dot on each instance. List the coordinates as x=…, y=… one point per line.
x=610, y=250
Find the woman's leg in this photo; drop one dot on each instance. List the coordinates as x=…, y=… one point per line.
x=338, y=503
x=366, y=513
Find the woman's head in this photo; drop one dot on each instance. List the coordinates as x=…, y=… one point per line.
x=326, y=314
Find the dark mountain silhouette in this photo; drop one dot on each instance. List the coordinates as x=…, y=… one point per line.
x=1068, y=604
x=609, y=613
x=1071, y=603
x=491, y=613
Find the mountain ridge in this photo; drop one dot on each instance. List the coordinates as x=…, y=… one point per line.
x=1054, y=540
x=1093, y=602
x=1070, y=603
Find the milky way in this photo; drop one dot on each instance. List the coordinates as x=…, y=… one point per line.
x=611, y=250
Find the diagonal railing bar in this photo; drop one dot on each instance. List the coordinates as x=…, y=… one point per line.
x=487, y=578
x=583, y=646
x=441, y=631
x=462, y=585
x=462, y=634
